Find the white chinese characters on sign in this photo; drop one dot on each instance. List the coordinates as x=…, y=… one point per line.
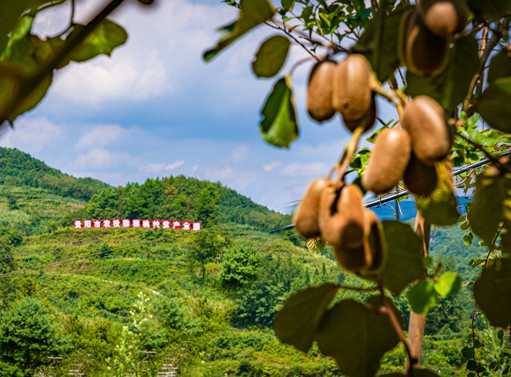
x=138, y=223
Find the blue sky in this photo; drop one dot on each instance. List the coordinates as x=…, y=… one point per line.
x=155, y=109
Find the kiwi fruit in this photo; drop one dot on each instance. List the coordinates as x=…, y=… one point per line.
x=341, y=217
x=374, y=244
x=388, y=160
x=423, y=52
x=424, y=120
x=352, y=87
x=420, y=179
x=444, y=17
x=352, y=259
x=367, y=121
x=320, y=89
x=306, y=216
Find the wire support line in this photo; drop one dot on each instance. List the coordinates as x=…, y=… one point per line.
x=402, y=193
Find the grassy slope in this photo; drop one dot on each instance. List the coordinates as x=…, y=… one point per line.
x=64, y=271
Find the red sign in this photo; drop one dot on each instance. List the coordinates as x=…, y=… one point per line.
x=137, y=223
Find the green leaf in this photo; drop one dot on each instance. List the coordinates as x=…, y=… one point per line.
x=380, y=39
x=492, y=292
x=449, y=88
x=252, y=14
x=494, y=105
x=490, y=9
x=486, y=211
x=404, y=262
x=271, y=56
x=102, y=41
x=278, y=124
x=356, y=337
x=297, y=321
x=422, y=297
x=447, y=284
x=500, y=66
x=441, y=207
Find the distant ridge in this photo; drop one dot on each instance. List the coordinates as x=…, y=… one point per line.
x=18, y=168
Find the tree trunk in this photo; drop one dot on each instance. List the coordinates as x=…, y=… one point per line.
x=417, y=322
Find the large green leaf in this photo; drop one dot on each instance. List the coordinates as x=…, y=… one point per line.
x=297, y=321
x=500, y=66
x=441, y=207
x=271, y=56
x=278, y=124
x=380, y=40
x=11, y=12
x=492, y=292
x=422, y=297
x=449, y=88
x=486, y=211
x=252, y=14
x=356, y=337
x=490, y=9
x=449, y=283
x=102, y=41
x=404, y=262
x=494, y=104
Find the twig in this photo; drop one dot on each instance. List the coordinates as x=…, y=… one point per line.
x=345, y=161
x=70, y=44
x=71, y=19
x=358, y=289
x=482, y=149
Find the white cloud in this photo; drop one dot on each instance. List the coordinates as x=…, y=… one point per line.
x=305, y=169
x=272, y=166
x=31, y=134
x=101, y=136
x=96, y=158
x=163, y=168
x=240, y=153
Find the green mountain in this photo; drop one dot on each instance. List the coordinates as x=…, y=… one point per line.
x=20, y=169
x=137, y=302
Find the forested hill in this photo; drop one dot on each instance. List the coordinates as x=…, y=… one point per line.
x=183, y=198
x=20, y=169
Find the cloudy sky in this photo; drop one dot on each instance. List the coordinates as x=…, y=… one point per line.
x=155, y=109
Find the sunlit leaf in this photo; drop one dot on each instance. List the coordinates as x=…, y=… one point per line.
x=422, y=297
x=486, y=210
x=404, y=262
x=380, y=39
x=492, y=292
x=356, y=337
x=450, y=87
x=494, y=104
x=298, y=320
x=271, y=56
x=447, y=284
x=102, y=41
x=441, y=207
x=278, y=124
x=252, y=14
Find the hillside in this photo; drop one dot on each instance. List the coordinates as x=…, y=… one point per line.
x=20, y=169
x=129, y=302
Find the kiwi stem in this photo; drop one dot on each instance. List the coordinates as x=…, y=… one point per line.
x=393, y=96
x=352, y=147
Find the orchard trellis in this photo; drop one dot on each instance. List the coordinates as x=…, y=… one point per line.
x=442, y=64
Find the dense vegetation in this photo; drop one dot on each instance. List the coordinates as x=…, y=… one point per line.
x=184, y=199
x=20, y=169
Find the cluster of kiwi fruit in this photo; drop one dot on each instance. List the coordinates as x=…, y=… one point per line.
x=426, y=34
x=333, y=210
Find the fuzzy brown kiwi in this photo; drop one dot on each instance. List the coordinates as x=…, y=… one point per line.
x=352, y=259
x=352, y=95
x=374, y=244
x=444, y=17
x=388, y=160
x=306, y=217
x=424, y=120
x=341, y=218
x=319, y=91
x=367, y=121
x=423, y=52
x=420, y=179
